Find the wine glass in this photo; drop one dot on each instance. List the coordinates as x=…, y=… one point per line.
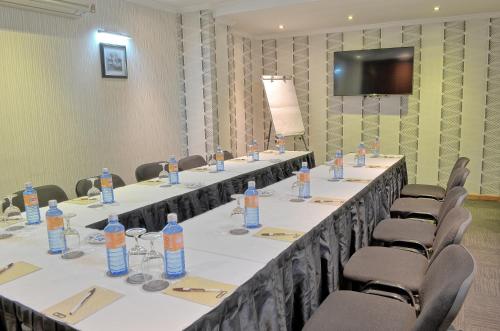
x=163, y=173
x=238, y=210
x=212, y=163
x=153, y=263
x=12, y=213
x=135, y=257
x=93, y=193
x=72, y=237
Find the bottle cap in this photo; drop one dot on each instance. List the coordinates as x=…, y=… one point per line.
x=172, y=217
x=28, y=185
x=52, y=203
x=105, y=170
x=251, y=184
x=113, y=217
x=171, y=157
x=304, y=164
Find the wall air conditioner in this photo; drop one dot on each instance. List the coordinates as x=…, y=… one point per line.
x=68, y=8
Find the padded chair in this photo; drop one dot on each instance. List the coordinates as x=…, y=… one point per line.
x=401, y=264
x=228, y=155
x=395, y=231
x=84, y=185
x=422, y=230
x=442, y=294
x=148, y=171
x=436, y=191
x=190, y=162
x=45, y=193
x=421, y=207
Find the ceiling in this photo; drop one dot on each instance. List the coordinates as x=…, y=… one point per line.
x=260, y=18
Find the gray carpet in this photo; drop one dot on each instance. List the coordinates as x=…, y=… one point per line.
x=481, y=310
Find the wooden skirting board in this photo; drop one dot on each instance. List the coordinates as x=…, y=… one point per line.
x=484, y=197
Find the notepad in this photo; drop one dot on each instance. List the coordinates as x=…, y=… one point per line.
x=83, y=201
x=357, y=180
x=279, y=234
x=327, y=201
x=18, y=270
x=376, y=166
x=99, y=300
x=218, y=291
x=151, y=182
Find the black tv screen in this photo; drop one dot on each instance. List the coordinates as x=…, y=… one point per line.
x=373, y=71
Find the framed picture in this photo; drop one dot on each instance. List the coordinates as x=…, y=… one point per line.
x=113, y=61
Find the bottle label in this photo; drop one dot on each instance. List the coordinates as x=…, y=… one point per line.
x=55, y=227
x=251, y=201
x=219, y=157
x=106, y=182
x=339, y=162
x=172, y=167
x=30, y=200
x=115, y=240
x=304, y=177
x=55, y=223
x=174, y=263
x=173, y=241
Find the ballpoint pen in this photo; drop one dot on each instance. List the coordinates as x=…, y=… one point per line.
x=10, y=265
x=82, y=302
x=272, y=234
x=220, y=292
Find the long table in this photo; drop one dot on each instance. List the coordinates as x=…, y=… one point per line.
x=146, y=205
x=279, y=283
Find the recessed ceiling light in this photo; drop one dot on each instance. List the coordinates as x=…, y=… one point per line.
x=350, y=17
x=281, y=26
x=436, y=8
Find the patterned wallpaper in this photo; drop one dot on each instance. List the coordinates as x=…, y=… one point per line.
x=60, y=121
x=454, y=109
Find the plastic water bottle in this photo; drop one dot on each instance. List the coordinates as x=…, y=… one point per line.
x=116, y=248
x=219, y=159
x=255, y=150
x=251, y=206
x=173, y=170
x=361, y=154
x=280, y=141
x=30, y=198
x=55, y=228
x=304, y=182
x=376, y=147
x=173, y=244
x=338, y=169
x=108, y=195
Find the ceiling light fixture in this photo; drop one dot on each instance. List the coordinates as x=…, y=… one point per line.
x=436, y=8
x=281, y=27
x=114, y=38
x=350, y=17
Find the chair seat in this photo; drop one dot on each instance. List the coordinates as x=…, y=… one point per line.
x=387, y=264
x=354, y=311
x=405, y=207
x=400, y=229
x=423, y=191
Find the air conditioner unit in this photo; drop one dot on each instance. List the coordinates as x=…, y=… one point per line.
x=68, y=8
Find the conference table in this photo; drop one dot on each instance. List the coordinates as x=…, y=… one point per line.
x=277, y=284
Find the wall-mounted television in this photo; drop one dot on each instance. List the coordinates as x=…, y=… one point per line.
x=373, y=71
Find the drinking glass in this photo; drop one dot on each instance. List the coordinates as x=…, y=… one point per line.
x=163, y=173
x=93, y=193
x=250, y=153
x=153, y=263
x=296, y=188
x=72, y=237
x=238, y=210
x=212, y=163
x=12, y=213
x=135, y=257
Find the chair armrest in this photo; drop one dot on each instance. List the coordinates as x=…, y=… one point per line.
x=386, y=294
x=420, y=248
x=390, y=288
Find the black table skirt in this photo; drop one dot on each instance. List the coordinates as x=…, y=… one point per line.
x=191, y=204
x=286, y=292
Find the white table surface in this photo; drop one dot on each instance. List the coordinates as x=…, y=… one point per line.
x=211, y=252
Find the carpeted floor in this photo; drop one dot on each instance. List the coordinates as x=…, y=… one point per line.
x=481, y=310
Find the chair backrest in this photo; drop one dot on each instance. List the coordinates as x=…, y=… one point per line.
x=444, y=288
x=454, y=197
x=457, y=178
x=192, y=161
x=228, y=155
x=84, y=185
x=147, y=171
x=462, y=162
x=45, y=193
x=451, y=230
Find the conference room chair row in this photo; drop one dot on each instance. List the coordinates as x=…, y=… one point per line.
x=416, y=275
x=143, y=172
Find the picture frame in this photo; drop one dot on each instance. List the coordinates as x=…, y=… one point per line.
x=113, y=61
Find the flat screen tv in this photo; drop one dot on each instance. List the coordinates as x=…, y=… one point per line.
x=373, y=71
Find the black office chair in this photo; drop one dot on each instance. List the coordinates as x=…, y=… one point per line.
x=45, y=193
x=148, y=171
x=84, y=185
x=228, y=155
x=192, y=161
